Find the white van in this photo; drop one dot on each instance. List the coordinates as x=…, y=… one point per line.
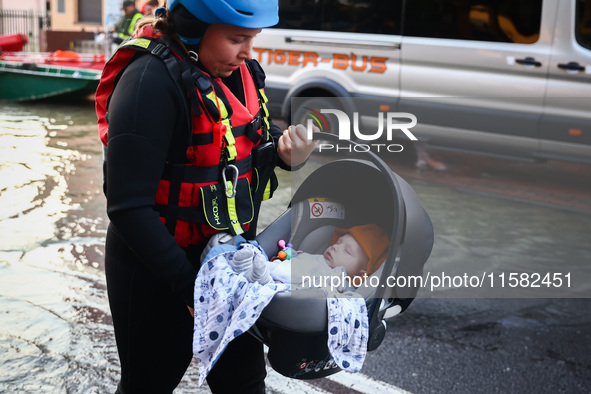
x=501, y=77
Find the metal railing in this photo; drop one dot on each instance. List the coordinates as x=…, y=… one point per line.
x=29, y=23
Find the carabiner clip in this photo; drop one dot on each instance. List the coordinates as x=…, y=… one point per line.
x=234, y=182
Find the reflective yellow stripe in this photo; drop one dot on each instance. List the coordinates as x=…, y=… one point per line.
x=230, y=140
x=140, y=42
x=231, y=151
x=255, y=178
x=265, y=111
x=218, y=103
x=232, y=211
x=267, y=193
x=262, y=92
x=263, y=103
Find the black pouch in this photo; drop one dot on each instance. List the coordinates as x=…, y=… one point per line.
x=263, y=154
x=263, y=174
x=223, y=213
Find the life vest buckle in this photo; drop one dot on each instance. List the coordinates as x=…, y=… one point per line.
x=160, y=50
x=256, y=123
x=202, y=83
x=230, y=186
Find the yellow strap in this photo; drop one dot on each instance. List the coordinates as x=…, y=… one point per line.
x=218, y=103
x=267, y=193
x=265, y=111
x=231, y=151
x=229, y=136
x=262, y=92
x=232, y=212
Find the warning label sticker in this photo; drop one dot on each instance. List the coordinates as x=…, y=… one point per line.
x=322, y=208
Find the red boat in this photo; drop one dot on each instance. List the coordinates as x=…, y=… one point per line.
x=11, y=47
x=28, y=76
x=13, y=42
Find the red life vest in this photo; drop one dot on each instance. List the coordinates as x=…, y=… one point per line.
x=214, y=189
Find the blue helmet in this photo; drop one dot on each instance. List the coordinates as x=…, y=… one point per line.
x=253, y=14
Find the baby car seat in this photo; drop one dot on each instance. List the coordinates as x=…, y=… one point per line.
x=342, y=194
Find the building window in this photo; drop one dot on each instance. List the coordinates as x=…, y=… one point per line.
x=90, y=11
x=61, y=6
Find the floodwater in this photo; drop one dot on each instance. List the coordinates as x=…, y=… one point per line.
x=55, y=327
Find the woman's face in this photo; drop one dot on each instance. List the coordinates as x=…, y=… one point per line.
x=224, y=48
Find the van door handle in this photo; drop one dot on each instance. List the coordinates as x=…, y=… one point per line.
x=571, y=66
x=529, y=61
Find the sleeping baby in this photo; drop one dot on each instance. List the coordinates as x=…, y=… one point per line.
x=352, y=254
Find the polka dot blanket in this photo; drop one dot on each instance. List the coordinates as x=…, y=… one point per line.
x=227, y=305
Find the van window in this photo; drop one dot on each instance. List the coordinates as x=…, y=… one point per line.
x=516, y=21
x=583, y=23
x=358, y=16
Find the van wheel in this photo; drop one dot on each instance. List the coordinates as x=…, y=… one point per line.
x=309, y=108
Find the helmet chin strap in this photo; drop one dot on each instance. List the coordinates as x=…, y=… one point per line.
x=189, y=40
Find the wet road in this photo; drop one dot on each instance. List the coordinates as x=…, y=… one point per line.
x=489, y=215
x=483, y=345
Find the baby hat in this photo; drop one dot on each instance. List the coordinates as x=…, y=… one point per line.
x=373, y=240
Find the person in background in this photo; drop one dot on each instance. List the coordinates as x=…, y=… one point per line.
x=126, y=25
x=149, y=7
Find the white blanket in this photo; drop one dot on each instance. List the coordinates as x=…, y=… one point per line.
x=227, y=305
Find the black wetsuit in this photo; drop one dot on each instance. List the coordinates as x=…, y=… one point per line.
x=149, y=277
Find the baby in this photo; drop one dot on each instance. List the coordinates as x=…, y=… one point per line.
x=352, y=253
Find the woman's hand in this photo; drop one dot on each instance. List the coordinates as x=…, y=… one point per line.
x=294, y=148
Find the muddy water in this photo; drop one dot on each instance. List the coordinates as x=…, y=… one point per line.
x=55, y=332
x=55, y=325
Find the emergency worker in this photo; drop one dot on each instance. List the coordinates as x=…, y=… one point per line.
x=126, y=25
x=198, y=162
x=149, y=7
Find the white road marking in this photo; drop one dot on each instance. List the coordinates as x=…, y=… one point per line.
x=364, y=384
x=278, y=383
